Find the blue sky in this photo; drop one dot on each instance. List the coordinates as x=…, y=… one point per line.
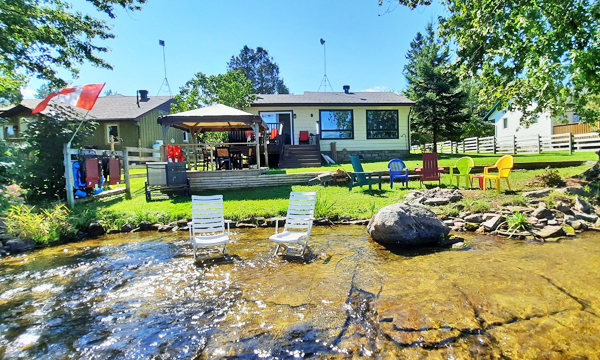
x=366, y=47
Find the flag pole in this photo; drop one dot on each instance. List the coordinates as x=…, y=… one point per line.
x=78, y=127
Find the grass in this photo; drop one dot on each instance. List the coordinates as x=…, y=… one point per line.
x=270, y=202
x=445, y=160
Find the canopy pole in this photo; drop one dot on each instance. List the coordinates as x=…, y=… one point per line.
x=255, y=127
x=266, y=149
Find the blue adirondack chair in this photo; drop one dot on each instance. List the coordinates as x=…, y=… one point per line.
x=359, y=177
x=398, y=170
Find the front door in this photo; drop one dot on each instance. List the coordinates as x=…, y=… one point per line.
x=283, y=121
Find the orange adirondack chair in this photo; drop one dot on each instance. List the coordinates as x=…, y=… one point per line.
x=430, y=170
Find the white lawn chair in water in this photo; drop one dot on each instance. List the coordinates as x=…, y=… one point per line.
x=207, y=227
x=298, y=222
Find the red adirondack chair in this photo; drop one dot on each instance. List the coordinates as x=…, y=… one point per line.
x=304, y=139
x=430, y=170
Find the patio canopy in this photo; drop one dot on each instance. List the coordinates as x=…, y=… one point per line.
x=213, y=118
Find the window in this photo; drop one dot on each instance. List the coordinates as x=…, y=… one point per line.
x=534, y=119
x=382, y=124
x=575, y=118
x=186, y=136
x=505, y=123
x=336, y=124
x=112, y=130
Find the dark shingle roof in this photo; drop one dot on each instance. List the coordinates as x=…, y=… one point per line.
x=113, y=107
x=312, y=98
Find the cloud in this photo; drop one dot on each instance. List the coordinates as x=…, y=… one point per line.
x=28, y=93
x=375, y=89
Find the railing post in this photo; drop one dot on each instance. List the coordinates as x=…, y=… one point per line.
x=514, y=145
x=126, y=170
x=539, y=144
x=477, y=145
x=494, y=144
x=463, y=146
x=570, y=143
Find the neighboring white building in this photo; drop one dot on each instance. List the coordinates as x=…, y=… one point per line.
x=508, y=123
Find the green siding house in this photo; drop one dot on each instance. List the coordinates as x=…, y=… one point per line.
x=130, y=120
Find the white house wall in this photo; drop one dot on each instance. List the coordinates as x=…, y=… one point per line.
x=307, y=117
x=542, y=127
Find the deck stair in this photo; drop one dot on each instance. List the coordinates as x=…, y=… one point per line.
x=300, y=156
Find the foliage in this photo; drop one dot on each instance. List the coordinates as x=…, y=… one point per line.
x=516, y=222
x=44, y=226
x=11, y=195
x=46, y=89
x=43, y=175
x=478, y=206
x=323, y=208
x=475, y=112
x=549, y=178
x=259, y=68
x=434, y=86
x=10, y=161
x=42, y=38
x=516, y=201
x=524, y=51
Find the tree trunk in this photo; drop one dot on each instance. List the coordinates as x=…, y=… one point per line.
x=434, y=140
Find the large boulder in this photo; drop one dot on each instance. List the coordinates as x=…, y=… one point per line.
x=404, y=224
x=19, y=245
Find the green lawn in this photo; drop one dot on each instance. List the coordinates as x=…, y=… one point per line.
x=415, y=160
x=268, y=202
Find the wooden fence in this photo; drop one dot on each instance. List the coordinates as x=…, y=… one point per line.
x=518, y=145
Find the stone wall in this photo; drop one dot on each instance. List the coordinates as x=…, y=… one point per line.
x=370, y=154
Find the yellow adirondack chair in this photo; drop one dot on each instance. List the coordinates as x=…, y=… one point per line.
x=504, y=165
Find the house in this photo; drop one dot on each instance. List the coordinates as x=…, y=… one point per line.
x=508, y=123
x=130, y=120
x=374, y=125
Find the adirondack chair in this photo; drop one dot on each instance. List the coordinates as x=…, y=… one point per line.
x=463, y=166
x=398, y=170
x=298, y=222
x=504, y=165
x=430, y=170
x=359, y=177
x=207, y=227
x=304, y=138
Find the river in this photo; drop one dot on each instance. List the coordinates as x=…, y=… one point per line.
x=142, y=296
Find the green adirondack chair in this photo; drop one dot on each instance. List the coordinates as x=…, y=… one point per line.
x=464, y=166
x=359, y=177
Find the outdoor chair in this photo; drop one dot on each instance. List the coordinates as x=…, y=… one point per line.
x=398, y=170
x=430, y=170
x=273, y=139
x=504, y=165
x=463, y=166
x=222, y=159
x=359, y=177
x=304, y=138
x=205, y=159
x=207, y=227
x=298, y=222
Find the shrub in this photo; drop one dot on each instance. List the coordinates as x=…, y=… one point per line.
x=11, y=195
x=323, y=208
x=478, y=206
x=47, y=225
x=517, y=221
x=549, y=178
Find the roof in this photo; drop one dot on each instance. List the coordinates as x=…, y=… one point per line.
x=112, y=107
x=313, y=98
x=217, y=117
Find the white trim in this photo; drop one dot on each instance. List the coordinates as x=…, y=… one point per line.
x=106, y=139
x=290, y=112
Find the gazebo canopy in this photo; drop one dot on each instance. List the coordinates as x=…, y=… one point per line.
x=213, y=118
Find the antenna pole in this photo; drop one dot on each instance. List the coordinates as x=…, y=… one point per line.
x=325, y=82
x=165, y=81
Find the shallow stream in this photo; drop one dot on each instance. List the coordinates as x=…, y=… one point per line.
x=141, y=296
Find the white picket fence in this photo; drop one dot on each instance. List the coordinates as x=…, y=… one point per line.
x=518, y=145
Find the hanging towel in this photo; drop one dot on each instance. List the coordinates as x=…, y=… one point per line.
x=114, y=166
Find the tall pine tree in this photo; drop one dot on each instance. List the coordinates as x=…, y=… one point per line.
x=435, y=87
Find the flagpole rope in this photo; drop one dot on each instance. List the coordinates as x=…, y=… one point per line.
x=78, y=127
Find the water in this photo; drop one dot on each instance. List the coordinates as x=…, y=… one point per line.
x=143, y=297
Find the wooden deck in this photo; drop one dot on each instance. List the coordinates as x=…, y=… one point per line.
x=241, y=179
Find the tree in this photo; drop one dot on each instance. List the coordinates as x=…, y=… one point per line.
x=434, y=86
x=475, y=112
x=231, y=89
x=41, y=37
x=259, y=68
x=546, y=52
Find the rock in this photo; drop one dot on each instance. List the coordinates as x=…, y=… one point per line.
x=577, y=225
x=145, y=226
x=564, y=208
x=165, y=228
x=537, y=193
x=458, y=245
x=474, y=218
x=586, y=217
x=492, y=223
x=345, y=217
x=437, y=201
x=568, y=218
x=449, y=240
x=583, y=206
x=95, y=229
x=156, y=227
x=126, y=228
x=568, y=230
x=404, y=224
x=533, y=201
x=464, y=214
x=550, y=231
x=471, y=226
x=113, y=231
x=19, y=245
x=356, y=222
x=488, y=216
x=597, y=224
x=413, y=195
x=459, y=224
x=183, y=228
x=480, y=230
x=573, y=190
x=457, y=228
x=542, y=212
x=245, y=225
x=449, y=222
x=319, y=222
x=552, y=222
x=183, y=222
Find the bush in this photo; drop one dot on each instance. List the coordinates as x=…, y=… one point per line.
x=45, y=226
x=478, y=206
x=11, y=195
x=549, y=178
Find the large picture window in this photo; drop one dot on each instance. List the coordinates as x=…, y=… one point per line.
x=336, y=124
x=382, y=124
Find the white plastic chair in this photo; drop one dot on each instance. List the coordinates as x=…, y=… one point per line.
x=207, y=227
x=298, y=222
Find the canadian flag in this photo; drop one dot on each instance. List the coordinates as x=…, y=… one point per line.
x=81, y=96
